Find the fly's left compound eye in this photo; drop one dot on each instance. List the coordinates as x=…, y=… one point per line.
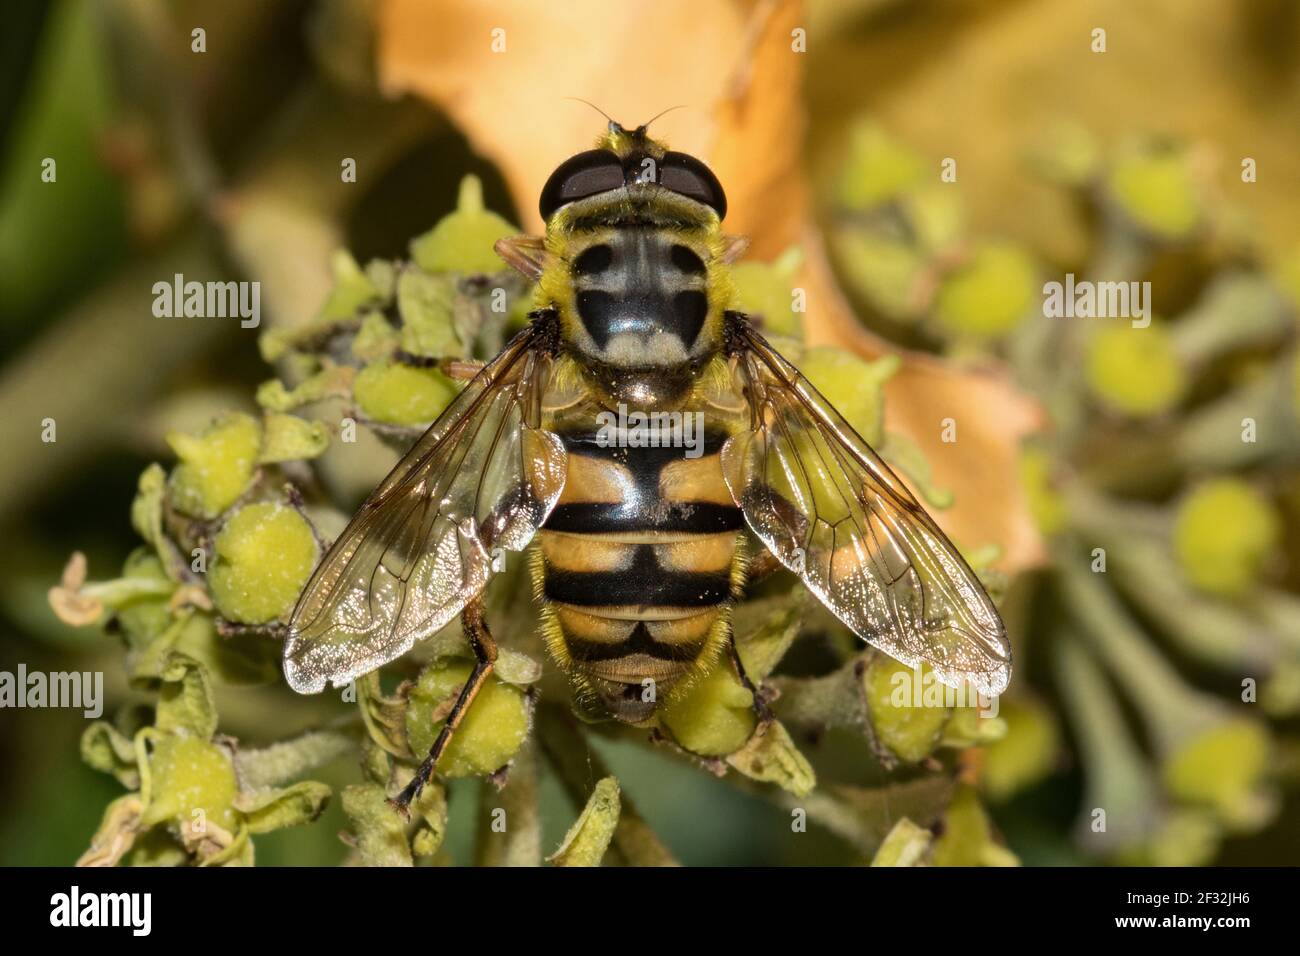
x=586, y=174
x=687, y=176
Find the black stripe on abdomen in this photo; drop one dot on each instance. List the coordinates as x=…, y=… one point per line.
x=643, y=583
x=702, y=517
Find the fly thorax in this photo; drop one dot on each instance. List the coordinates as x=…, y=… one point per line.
x=640, y=300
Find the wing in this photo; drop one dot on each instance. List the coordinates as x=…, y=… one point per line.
x=484, y=476
x=830, y=510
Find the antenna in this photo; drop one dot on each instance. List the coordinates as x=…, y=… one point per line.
x=612, y=122
x=646, y=124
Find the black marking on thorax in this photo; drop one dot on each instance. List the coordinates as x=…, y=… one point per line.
x=640, y=281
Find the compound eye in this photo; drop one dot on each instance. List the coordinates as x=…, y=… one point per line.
x=686, y=175
x=586, y=174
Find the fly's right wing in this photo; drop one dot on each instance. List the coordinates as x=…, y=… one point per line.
x=826, y=505
x=484, y=476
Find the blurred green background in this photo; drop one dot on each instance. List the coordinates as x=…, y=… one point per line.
x=208, y=166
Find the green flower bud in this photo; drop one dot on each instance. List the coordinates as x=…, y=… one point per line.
x=967, y=838
x=905, y=456
x=770, y=756
x=936, y=216
x=239, y=660
x=216, y=466
x=489, y=735
x=186, y=704
x=402, y=394
x=1280, y=695
x=883, y=270
x=909, y=732
x=879, y=168
x=711, y=716
x=334, y=381
x=290, y=438
x=1067, y=153
x=188, y=774
x=379, y=829
x=1026, y=754
x=105, y=748
x=1295, y=385
x=462, y=240
x=1156, y=189
x=265, y=811
x=988, y=295
x=1223, y=532
x=144, y=618
x=765, y=290
x=905, y=845
x=1223, y=768
x=147, y=507
x=854, y=386
x=264, y=554
x=1285, y=271
x=376, y=339
x=1135, y=371
x=383, y=276
x=157, y=847
x=1179, y=838
x=1046, y=505
x=427, y=304
x=352, y=291
x=152, y=631
x=970, y=727
x=588, y=839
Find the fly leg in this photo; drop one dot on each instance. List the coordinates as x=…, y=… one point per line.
x=485, y=651
x=761, y=708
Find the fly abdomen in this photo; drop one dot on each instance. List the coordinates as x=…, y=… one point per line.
x=636, y=575
x=638, y=567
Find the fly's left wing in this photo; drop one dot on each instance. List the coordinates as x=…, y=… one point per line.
x=827, y=506
x=484, y=476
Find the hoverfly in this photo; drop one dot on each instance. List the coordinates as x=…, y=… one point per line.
x=640, y=550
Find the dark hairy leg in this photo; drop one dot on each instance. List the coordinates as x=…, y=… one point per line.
x=485, y=652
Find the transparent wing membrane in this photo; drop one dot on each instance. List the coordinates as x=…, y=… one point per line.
x=827, y=506
x=483, y=477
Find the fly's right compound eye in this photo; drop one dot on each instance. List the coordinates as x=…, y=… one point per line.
x=586, y=174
